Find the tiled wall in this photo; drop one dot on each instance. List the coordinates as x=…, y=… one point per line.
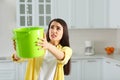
x=101, y=38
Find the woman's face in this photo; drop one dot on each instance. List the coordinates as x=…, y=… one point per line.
x=55, y=32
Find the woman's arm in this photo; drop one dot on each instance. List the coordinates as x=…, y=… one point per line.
x=14, y=56
x=56, y=52
x=50, y=47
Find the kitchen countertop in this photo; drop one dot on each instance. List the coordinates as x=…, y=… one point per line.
x=84, y=56
x=3, y=58
x=113, y=57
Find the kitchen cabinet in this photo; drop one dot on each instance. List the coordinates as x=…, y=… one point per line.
x=77, y=13
x=90, y=14
x=12, y=71
x=98, y=13
x=82, y=13
x=74, y=12
x=61, y=9
x=114, y=13
x=92, y=69
x=7, y=70
x=33, y=12
x=111, y=70
x=75, y=73
x=85, y=69
x=20, y=69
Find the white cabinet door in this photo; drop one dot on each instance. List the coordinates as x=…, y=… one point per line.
x=89, y=13
x=61, y=9
x=114, y=13
x=92, y=69
x=7, y=75
x=80, y=13
x=116, y=71
x=107, y=70
x=7, y=70
x=21, y=69
x=111, y=70
x=98, y=13
x=75, y=73
x=76, y=70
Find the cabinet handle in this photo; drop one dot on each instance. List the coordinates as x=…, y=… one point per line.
x=74, y=61
x=91, y=60
x=108, y=62
x=117, y=65
x=5, y=61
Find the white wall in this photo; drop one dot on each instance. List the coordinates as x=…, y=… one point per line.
x=101, y=38
x=118, y=40
x=7, y=23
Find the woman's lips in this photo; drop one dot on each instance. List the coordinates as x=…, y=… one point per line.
x=53, y=36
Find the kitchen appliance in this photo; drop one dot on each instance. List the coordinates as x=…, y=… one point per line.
x=89, y=48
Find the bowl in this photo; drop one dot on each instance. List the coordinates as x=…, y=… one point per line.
x=109, y=50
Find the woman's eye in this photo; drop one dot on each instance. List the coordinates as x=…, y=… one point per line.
x=58, y=28
x=52, y=27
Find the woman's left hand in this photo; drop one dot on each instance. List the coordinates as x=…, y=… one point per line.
x=43, y=43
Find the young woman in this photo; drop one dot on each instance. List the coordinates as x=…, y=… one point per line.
x=57, y=54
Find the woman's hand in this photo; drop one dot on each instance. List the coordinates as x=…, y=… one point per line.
x=43, y=42
x=14, y=44
x=15, y=57
x=50, y=47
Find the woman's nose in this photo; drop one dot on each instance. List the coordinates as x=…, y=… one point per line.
x=54, y=30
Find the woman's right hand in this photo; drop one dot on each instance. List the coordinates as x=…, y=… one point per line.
x=14, y=44
x=15, y=57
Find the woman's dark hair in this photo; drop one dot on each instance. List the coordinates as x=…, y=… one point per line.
x=64, y=41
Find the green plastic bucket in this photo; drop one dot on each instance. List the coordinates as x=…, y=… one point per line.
x=25, y=39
